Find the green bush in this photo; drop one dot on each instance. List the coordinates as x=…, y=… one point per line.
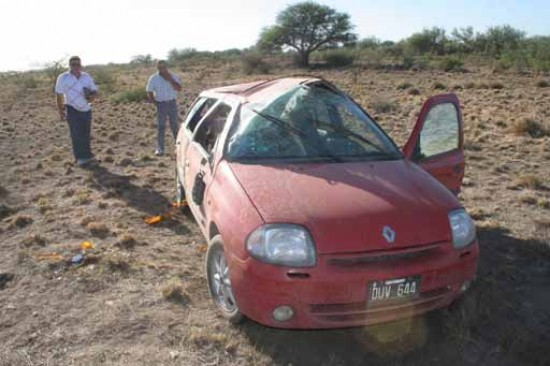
x=338, y=57
x=451, y=63
x=439, y=86
x=131, y=96
x=254, y=63
x=105, y=80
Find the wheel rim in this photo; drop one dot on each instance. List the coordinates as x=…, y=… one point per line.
x=221, y=284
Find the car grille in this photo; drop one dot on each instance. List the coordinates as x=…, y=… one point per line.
x=384, y=257
x=363, y=312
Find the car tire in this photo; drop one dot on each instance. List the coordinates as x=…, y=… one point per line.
x=180, y=191
x=219, y=283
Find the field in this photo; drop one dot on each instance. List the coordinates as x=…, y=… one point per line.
x=140, y=296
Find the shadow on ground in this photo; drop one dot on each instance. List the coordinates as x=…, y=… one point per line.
x=144, y=199
x=503, y=320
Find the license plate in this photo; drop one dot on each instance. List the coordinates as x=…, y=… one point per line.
x=396, y=288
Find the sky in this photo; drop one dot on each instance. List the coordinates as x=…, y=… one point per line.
x=36, y=32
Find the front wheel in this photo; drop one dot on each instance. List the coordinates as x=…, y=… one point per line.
x=219, y=282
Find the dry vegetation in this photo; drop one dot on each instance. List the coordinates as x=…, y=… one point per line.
x=140, y=296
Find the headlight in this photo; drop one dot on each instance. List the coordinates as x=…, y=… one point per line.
x=282, y=244
x=462, y=228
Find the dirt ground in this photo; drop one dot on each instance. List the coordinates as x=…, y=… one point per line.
x=140, y=297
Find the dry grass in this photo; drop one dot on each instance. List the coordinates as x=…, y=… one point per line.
x=529, y=127
x=98, y=229
x=126, y=241
x=175, y=291
x=528, y=198
x=528, y=181
x=34, y=240
x=20, y=221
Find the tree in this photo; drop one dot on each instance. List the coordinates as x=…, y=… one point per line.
x=307, y=27
x=145, y=60
x=428, y=41
x=501, y=39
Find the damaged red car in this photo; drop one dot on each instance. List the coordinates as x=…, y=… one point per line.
x=314, y=217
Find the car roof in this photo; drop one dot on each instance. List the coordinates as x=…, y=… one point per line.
x=259, y=91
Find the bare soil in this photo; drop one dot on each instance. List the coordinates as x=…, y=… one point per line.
x=140, y=296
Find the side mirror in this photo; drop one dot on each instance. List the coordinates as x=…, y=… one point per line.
x=198, y=189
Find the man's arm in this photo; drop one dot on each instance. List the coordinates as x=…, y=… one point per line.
x=151, y=96
x=176, y=84
x=60, y=106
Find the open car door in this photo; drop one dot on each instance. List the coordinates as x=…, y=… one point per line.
x=437, y=141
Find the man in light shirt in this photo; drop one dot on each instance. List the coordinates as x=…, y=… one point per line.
x=74, y=90
x=162, y=89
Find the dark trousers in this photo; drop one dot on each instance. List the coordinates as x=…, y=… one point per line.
x=80, y=124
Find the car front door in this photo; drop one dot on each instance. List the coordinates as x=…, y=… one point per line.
x=200, y=158
x=437, y=141
x=197, y=112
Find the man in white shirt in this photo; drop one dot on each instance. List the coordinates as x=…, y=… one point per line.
x=162, y=89
x=75, y=90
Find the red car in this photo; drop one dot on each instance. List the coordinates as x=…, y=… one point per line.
x=314, y=217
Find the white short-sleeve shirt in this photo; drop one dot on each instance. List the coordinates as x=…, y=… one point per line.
x=73, y=89
x=163, y=90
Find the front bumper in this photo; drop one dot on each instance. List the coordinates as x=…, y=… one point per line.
x=333, y=294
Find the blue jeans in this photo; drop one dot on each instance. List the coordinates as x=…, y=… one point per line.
x=168, y=109
x=80, y=124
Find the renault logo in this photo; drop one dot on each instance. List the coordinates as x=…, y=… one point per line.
x=388, y=234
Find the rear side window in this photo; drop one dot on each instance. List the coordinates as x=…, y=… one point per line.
x=440, y=133
x=210, y=128
x=198, y=111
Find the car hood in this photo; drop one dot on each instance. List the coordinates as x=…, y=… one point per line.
x=346, y=206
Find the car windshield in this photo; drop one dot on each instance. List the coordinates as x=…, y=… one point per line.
x=308, y=123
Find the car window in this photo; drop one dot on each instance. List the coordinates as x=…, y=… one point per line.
x=308, y=123
x=440, y=132
x=209, y=129
x=198, y=111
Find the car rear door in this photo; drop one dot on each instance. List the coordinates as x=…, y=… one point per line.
x=437, y=141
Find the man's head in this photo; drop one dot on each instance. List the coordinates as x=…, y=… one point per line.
x=162, y=66
x=75, y=64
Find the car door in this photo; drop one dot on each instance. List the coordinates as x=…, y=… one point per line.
x=200, y=161
x=197, y=112
x=437, y=141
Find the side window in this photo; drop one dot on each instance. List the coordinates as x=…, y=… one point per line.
x=209, y=130
x=198, y=111
x=440, y=132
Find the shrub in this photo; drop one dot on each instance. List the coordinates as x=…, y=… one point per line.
x=414, y=91
x=531, y=127
x=451, y=63
x=29, y=81
x=439, y=86
x=497, y=85
x=253, y=62
x=384, y=106
x=338, y=57
x=131, y=96
x=543, y=84
x=105, y=80
x=404, y=86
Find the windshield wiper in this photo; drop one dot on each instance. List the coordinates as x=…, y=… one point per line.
x=344, y=131
x=279, y=122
